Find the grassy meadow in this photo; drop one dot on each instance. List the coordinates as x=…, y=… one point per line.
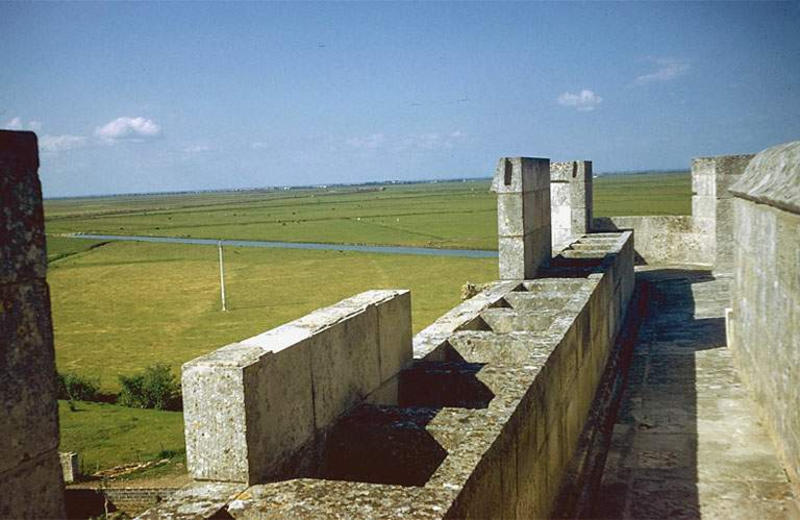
x=450, y=215
x=118, y=307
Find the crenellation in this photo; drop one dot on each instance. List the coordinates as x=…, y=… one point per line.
x=522, y=185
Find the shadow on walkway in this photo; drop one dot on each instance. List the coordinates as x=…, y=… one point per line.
x=686, y=442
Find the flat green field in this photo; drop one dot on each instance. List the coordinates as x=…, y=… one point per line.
x=118, y=307
x=451, y=215
x=652, y=194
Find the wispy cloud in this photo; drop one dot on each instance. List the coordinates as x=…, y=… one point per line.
x=666, y=69
x=17, y=124
x=128, y=129
x=370, y=142
x=258, y=145
x=61, y=143
x=198, y=148
x=584, y=101
x=14, y=124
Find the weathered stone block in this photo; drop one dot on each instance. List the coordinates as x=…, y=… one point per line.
x=69, y=466
x=344, y=364
x=394, y=328
x=562, y=171
x=571, y=199
x=512, y=260
x=510, y=220
x=280, y=409
x=215, y=425
x=704, y=207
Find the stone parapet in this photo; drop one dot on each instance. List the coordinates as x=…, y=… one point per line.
x=253, y=409
x=665, y=239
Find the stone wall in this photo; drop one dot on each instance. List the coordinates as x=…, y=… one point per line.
x=570, y=201
x=764, y=324
x=706, y=236
x=30, y=474
x=254, y=409
x=665, y=239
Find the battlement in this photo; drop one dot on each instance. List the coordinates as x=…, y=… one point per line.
x=481, y=423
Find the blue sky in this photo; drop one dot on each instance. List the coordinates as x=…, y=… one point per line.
x=179, y=96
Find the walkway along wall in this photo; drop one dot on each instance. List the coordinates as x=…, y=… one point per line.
x=764, y=324
x=30, y=474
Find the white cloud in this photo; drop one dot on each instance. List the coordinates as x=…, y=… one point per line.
x=61, y=143
x=584, y=101
x=14, y=124
x=258, y=145
x=667, y=69
x=128, y=129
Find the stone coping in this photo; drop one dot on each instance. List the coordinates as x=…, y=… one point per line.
x=773, y=177
x=248, y=351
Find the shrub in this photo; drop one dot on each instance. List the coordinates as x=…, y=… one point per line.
x=74, y=387
x=156, y=387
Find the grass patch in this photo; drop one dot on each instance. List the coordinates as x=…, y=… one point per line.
x=62, y=247
x=107, y=435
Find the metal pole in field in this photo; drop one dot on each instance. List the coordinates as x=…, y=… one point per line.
x=221, y=276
